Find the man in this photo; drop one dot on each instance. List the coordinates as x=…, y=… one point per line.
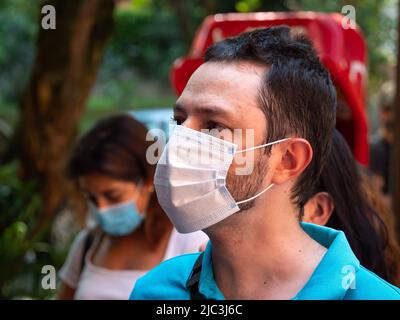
x=272, y=82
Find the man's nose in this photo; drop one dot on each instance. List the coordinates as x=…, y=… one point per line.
x=192, y=123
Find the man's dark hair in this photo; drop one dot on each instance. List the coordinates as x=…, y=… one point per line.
x=296, y=93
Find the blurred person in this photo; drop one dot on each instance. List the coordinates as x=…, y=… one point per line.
x=346, y=200
x=381, y=146
x=273, y=83
x=133, y=234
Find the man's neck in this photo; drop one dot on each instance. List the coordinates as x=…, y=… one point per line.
x=267, y=258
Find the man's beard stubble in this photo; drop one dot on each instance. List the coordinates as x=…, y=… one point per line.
x=243, y=187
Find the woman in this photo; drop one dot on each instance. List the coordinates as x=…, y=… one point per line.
x=133, y=233
x=341, y=202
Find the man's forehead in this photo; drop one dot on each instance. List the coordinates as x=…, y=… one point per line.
x=233, y=71
x=225, y=80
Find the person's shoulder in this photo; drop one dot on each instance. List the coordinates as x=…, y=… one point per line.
x=369, y=286
x=167, y=281
x=71, y=270
x=183, y=243
x=81, y=235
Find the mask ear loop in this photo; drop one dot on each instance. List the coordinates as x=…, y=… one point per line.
x=258, y=194
x=271, y=185
x=262, y=145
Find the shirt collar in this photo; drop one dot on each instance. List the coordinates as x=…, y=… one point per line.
x=207, y=285
x=331, y=279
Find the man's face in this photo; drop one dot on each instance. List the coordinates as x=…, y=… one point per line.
x=224, y=96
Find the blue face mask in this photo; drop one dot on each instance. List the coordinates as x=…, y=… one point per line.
x=118, y=220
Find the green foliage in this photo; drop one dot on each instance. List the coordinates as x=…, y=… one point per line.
x=18, y=29
x=17, y=198
x=140, y=4
x=22, y=253
x=148, y=37
x=140, y=53
x=378, y=24
x=248, y=5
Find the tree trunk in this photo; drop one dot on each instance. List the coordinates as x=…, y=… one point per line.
x=64, y=71
x=184, y=20
x=208, y=6
x=395, y=163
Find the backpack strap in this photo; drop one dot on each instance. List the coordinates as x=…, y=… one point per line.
x=193, y=281
x=86, y=246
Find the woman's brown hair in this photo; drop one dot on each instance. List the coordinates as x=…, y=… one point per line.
x=116, y=147
x=377, y=201
x=353, y=214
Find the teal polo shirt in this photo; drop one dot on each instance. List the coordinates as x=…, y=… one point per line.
x=339, y=275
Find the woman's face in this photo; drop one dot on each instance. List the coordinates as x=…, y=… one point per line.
x=104, y=191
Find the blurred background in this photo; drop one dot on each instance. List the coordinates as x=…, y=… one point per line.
x=54, y=86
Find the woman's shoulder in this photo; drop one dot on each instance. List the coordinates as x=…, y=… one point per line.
x=182, y=243
x=83, y=237
x=71, y=269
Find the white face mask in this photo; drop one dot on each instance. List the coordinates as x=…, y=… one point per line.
x=190, y=179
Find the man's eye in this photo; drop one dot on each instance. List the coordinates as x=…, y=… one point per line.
x=215, y=125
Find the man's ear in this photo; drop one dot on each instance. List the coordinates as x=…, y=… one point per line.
x=319, y=209
x=294, y=157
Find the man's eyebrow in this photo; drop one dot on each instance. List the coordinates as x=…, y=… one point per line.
x=209, y=110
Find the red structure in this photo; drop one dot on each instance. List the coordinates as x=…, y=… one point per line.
x=340, y=48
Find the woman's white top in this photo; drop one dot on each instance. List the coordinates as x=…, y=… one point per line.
x=96, y=283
